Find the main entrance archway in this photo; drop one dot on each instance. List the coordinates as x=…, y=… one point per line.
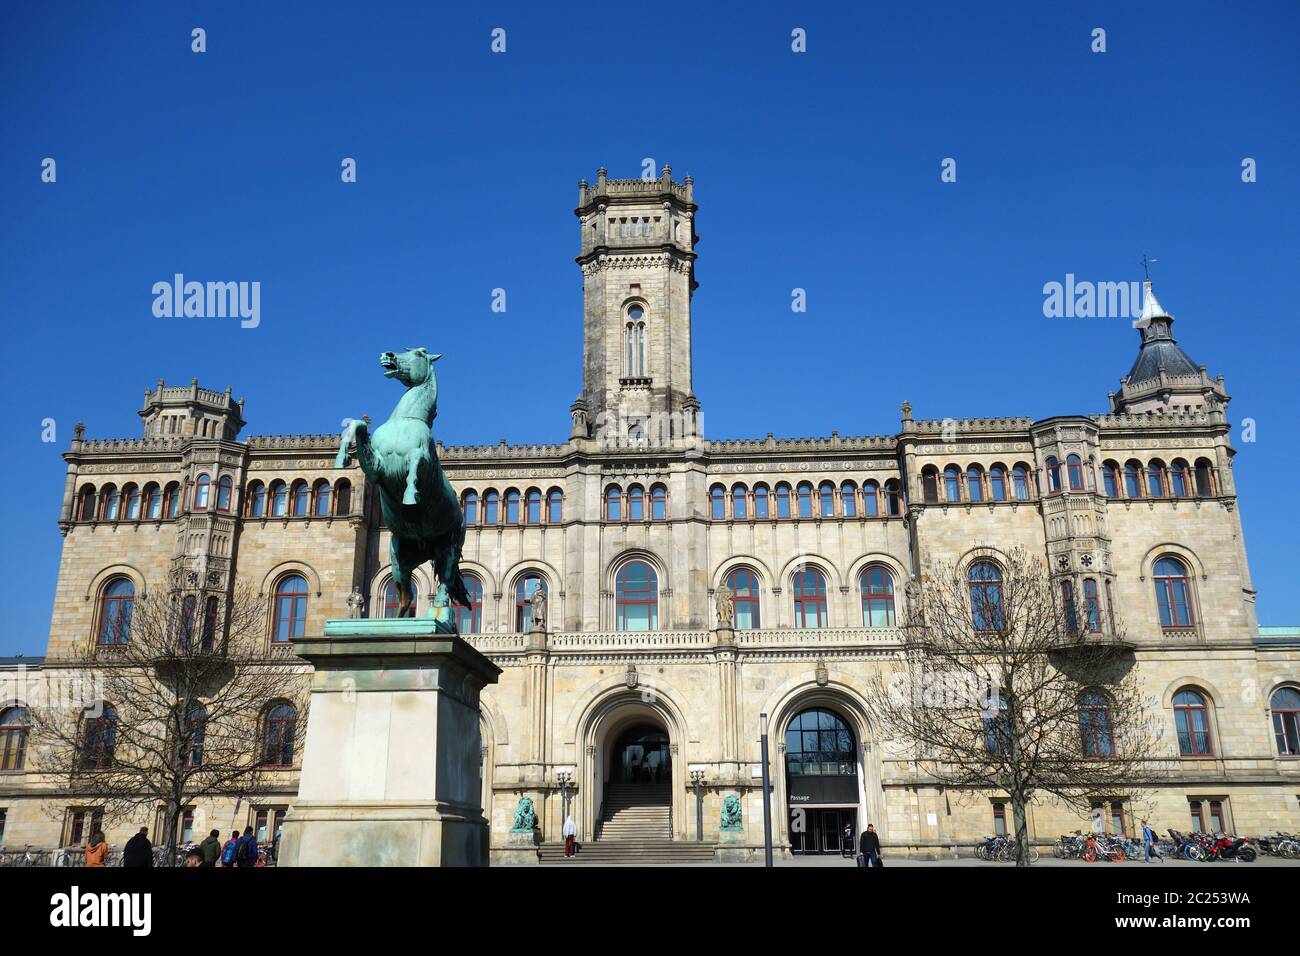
x=641, y=756
x=821, y=780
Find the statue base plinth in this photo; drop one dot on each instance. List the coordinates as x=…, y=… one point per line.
x=521, y=849
x=390, y=770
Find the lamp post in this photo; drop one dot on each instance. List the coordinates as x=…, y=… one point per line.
x=697, y=780
x=767, y=797
x=565, y=777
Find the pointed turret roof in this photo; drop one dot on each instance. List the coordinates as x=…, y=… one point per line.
x=1159, y=349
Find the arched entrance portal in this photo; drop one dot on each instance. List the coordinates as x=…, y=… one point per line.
x=637, y=801
x=822, y=785
x=641, y=756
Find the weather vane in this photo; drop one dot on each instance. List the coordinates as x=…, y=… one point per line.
x=1146, y=264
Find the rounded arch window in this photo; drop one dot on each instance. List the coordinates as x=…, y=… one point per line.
x=893, y=498
x=739, y=502
x=826, y=499
x=225, y=489
x=279, y=499
x=877, y=587
x=809, y=589
x=290, y=609
x=1020, y=482
x=1074, y=472
x=555, y=506
x=1156, y=478
x=717, y=503
x=659, y=503
x=512, y=506
x=636, y=597
x=111, y=502
x=1284, y=706
x=820, y=743
x=1178, y=478
x=975, y=483
x=131, y=494
x=393, y=600
x=342, y=497
x=321, y=498
x=783, y=500
x=1173, y=593
x=871, y=498
x=115, y=608
x=1095, y=725
x=635, y=503
x=15, y=725
x=952, y=483
x=743, y=584
x=985, y=582
x=998, y=483
x=524, y=589
x=469, y=617
x=491, y=507
x=613, y=503
x=1192, y=722
x=1110, y=479
x=281, y=728
x=534, y=506
x=98, y=737
x=634, y=345
x=1053, y=474
x=805, y=500
x=202, y=487
x=256, y=500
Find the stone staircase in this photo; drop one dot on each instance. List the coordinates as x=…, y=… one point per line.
x=636, y=828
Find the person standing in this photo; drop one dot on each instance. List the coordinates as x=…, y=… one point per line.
x=230, y=849
x=211, y=848
x=1098, y=822
x=138, y=850
x=96, y=849
x=570, y=835
x=246, y=852
x=869, y=847
x=1149, y=844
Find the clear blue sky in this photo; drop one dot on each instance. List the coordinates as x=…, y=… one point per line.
x=818, y=171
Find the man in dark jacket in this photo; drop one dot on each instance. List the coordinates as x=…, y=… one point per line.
x=211, y=848
x=138, y=850
x=246, y=853
x=869, y=846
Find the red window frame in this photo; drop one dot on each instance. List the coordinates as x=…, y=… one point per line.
x=392, y=600
x=555, y=506
x=116, y=609
x=1184, y=717
x=1074, y=472
x=469, y=507
x=877, y=595
x=290, y=609
x=279, y=728
x=523, y=607
x=613, y=503
x=743, y=584
x=630, y=595
x=1092, y=605
x=533, y=506
x=1167, y=588
x=469, y=617
x=98, y=740
x=635, y=503
x=809, y=592
x=658, y=503
x=13, y=737
x=202, y=490
x=320, y=499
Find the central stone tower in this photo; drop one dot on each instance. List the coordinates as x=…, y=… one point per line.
x=638, y=274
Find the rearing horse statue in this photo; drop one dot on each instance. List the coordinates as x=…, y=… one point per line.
x=420, y=507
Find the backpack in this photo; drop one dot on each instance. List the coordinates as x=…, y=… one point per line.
x=228, y=852
x=247, y=852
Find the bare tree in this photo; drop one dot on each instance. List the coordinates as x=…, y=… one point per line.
x=1009, y=682
x=183, y=679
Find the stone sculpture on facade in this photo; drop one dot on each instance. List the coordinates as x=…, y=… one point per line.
x=731, y=813
x=538, y=605
x=421, y=509
x=726, y=606
x=355, y=602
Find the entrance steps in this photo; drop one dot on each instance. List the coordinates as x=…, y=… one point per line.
x=636, y=828
x=631, y=852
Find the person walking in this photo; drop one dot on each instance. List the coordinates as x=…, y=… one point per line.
x=96, y=849
x=869, y=847
x=1149, y=844
x=570, y=832
x=246, y=851
x=846, y=841
x=138, y=850
x=230, y=849
x=211, y=848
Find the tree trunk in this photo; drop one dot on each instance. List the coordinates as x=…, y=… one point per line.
x=169, y=844
x=1018, y=806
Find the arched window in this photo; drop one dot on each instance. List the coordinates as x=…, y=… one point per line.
x=115, y=608
x=131, y=496
x=1192, y=721
x=193, y=732
x=98, y=737
x=1178, y=478
x=469, y=617
x=1092, y=606
x=86, y=503
x=202, y=486
x=717, y=503
x=172, y=500
x=15, y=725
x=300, y=497
x=110, y=502
x=1133, y=479
x=152, y=501
x=281, y=727
x=998, y=483
x=1110, y=607
x=1285, y=708
x=321, y=499
x=871, y=499
x=1204, y=478
x=743, y=584
x=342, y=497
x=1156, y=478
x=809, y=598
x=290, y=614
x=635, y=503
x=1020, y=482
x=614, y=503
x=761, y=502
x=783, y=500
x=877, y=586
x=524, y=589
x=636, y=598
x=659, y=503
x=997, y=724
x=975, y=483
x=893, y=500
x=534, y=506
x=805, y=500
x=1109, y=479
x=820, y=743
x=985, y=582
x=1095, y=725
x=635, y=342
x=469, y=505
x=256, y=500
x=1067, y=607
x=952, y=483
x=826, y=496
x=491, y=508
x=739, y=502
x=1074, y=472
x=393, y=600
x=512, y=506
x=208, y=638
x=1053, y=475
x=930, y=484
x=189, y=610
x=849, y=499
x=1173, y=593
x=279, y=499
x=225, y=488
x=555, y=506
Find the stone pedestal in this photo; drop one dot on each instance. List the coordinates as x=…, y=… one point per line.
x=390, y=771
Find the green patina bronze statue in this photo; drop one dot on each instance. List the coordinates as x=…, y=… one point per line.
x=731, y=813
x=421, y=510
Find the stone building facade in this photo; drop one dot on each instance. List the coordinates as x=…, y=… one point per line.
x=629, y=695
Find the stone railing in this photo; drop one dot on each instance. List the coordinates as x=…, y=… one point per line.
x=700, y=639
x=628, y=640
x=819, y=636
x=498, y=643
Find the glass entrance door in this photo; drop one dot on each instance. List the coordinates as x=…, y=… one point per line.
x=642, y=756
x=821, y=829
